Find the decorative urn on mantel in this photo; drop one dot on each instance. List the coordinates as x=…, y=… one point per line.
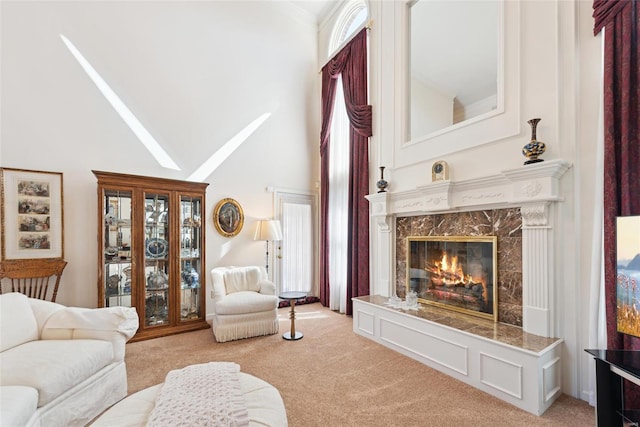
x=382, y=183
x=534, y=148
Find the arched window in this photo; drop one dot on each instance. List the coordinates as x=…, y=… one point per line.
x=351, y=18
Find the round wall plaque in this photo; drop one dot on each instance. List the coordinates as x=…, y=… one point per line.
x=228, y=217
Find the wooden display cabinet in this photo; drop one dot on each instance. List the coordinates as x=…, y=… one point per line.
x=151, y=251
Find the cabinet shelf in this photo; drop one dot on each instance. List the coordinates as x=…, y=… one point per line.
x=125, y=294
x=152, y=222
x=118, y=261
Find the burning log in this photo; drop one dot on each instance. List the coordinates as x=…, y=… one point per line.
x=449, y=273
x=437, y=282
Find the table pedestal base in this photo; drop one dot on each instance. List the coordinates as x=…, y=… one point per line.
x=292, y=297
x=287, y=336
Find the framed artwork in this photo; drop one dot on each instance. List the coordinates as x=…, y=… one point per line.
x=228, y=217
x=32, y=214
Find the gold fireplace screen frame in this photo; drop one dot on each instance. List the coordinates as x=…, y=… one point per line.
x=476, y=293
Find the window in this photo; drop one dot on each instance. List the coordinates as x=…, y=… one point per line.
x=352, y=18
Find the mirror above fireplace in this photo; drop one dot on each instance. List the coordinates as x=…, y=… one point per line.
x=455, y=57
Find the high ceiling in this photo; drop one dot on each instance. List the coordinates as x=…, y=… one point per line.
x=317, y=8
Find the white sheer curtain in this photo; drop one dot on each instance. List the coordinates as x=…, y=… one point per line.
x=338, y=203
x=297, y=231
x=597, y=314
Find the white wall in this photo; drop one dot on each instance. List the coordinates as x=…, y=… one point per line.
x=552, y=65
x=194, y=73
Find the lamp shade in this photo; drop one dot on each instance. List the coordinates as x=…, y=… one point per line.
x=268, y=229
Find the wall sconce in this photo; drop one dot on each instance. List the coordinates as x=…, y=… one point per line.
x=268, y=229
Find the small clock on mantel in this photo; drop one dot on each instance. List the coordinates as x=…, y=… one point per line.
x=440, y=171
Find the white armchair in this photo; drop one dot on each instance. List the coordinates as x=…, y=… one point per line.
x=245, y=303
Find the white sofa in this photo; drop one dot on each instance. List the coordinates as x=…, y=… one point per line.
x=60, y=366
x=244, y=303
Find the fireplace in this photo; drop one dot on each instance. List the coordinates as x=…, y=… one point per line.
x=457, y=273
x=521, y=208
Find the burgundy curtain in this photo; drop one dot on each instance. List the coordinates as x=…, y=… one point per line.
x=328, y=96
x=351, y=63
x=621, y=140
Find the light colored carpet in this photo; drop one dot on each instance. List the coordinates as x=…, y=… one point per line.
x=333, y=377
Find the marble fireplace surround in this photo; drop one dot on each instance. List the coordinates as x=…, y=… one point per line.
x=505, y=224
x=532, y=190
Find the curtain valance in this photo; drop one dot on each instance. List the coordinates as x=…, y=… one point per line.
x=606, y=10
x=349, y=63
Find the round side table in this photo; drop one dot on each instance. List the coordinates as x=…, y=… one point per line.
x=292, y=297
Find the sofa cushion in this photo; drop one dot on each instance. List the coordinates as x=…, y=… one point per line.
x=53, y=366
x=17, y=404
x=19, y=325
x=246, y=302
x=242, y=279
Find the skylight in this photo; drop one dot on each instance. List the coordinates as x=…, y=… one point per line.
x=129, y=118
x=226, y=150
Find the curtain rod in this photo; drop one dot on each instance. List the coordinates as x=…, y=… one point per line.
x=366, y=25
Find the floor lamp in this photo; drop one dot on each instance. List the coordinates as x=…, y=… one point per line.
x=268, y=229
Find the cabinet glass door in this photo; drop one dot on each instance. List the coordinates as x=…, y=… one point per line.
x=156, y=259
x=190, y=257
x=117, y=240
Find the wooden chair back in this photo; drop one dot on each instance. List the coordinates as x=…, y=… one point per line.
x=36, y=278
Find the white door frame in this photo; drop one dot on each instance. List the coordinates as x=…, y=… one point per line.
x=280, y=196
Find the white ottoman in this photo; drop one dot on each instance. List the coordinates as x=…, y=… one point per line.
x=264, y=404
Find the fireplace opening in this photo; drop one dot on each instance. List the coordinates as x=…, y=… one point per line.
x=458, y=273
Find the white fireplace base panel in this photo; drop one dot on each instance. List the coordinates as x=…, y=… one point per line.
x=530, y=380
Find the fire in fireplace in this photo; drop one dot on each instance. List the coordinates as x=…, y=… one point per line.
x=457, y=273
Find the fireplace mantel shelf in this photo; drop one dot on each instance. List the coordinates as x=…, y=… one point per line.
x=531, y=184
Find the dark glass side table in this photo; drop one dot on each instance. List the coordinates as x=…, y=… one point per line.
x=611, y=367
x=292, y=297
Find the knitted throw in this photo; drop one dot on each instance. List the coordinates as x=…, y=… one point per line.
x=201, y=395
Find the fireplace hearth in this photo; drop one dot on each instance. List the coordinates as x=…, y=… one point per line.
x=457, y=273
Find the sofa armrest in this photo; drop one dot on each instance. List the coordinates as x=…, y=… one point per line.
x=115, y=324
x=267, y=287
x=219, y=289
x=42, y=310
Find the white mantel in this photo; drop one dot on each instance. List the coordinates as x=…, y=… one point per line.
x=533, y=188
